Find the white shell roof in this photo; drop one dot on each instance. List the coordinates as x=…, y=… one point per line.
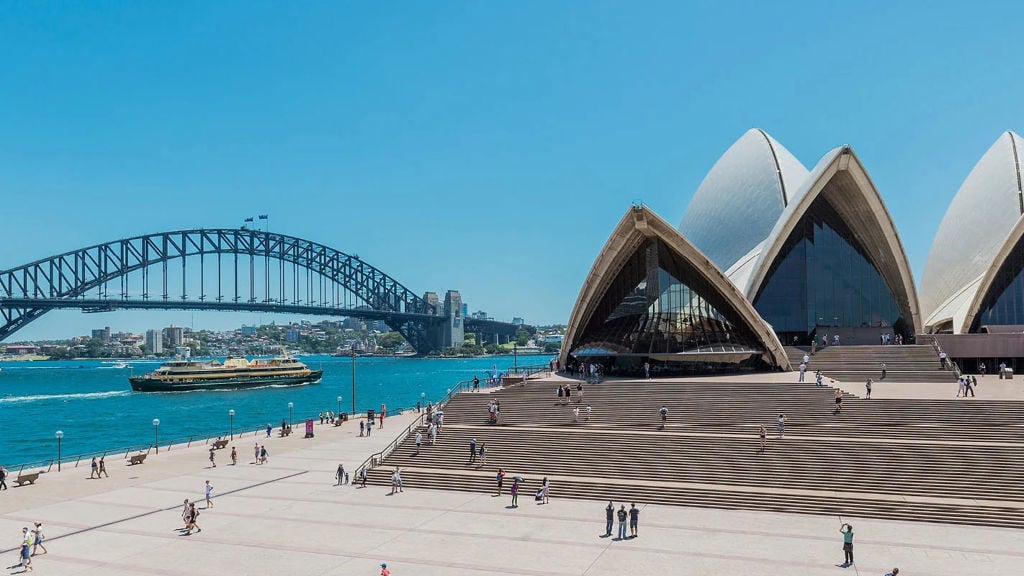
x=742, y=196
x=973, y=231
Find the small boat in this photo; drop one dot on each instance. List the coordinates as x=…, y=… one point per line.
x=120, y=365
x=188, y=374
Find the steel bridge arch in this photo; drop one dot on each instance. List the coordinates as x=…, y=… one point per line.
x=73, y=274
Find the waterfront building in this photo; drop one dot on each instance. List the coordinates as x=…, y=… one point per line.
x=155, y=341
x=102, y=334
x=174, y=336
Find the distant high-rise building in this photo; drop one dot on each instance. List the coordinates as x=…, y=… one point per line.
x=248, y=330
x=155, y=341
x=292, y=335
x=174, y=336
x=102, y=334
x=354, y=324
x=465, y=309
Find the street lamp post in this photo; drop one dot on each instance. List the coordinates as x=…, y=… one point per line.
x=231, y=414
x=290, y=413
x=339, y=406
x=423, y=400
x=156, y=434
x=59, y=434
x=515, y=358
x=353, y=383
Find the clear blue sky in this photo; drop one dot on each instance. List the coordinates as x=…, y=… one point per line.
x=483, y=146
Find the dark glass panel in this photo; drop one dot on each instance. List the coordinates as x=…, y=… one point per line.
x=823, y=277
x=1003, y=304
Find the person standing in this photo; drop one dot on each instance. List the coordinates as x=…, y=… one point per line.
x=634, y=520
x=476, y=383
x=482, y=454
x=664, y=415
x=95, y=469
x=847, y=531
x=545, y=491
x=647, y=370
x=213, y=462
x=103, y=468
x=623, y=515
x=576, y=414
x=782, y=426
x=419, y=441
x=764, y=438
x=3, y=478
x=263, y=454
x=269, y=428
x=209, y=494
x=609, y=518
x=817, y=379
x=589, y=409
x=981, y=370
x=37, y=538
x=362, y=428
x=234, y=456
x=867, y=385
x=942, y=360
x=500, y=477
x=384, y=569
x=383, y=414
x=838, y=395
x=472, y=450
x=883, y=371
x=806, y=359
x=803, y=370
x=340, y=474
x=369, y=427
x=968, y=387
x=362, y=477
x=515, y=492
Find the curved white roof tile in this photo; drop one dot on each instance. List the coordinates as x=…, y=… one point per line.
x=973, y=231
x=739, y=200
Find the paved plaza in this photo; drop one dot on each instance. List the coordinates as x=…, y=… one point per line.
x=288, y=517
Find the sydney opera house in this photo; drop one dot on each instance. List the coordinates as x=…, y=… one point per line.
x=770, y=253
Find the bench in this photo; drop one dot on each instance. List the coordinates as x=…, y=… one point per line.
x=26, y=478
x=219, y=444
x=137, y=459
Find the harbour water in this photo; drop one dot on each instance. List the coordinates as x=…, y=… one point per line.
x=92, y=403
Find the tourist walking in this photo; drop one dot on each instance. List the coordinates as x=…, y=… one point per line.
x=482, y=455
x=3, y=478
x=609, y=518
x=782, y=426
x=515, y=492
x=37, y=538
x=664, y=415
x=419, y=441
x=26, y=550
x=103, y=468
x=579, y=393
x=263, y=454
x=942, y=360
x=500, y=477
x=383, y=414
x=764, y=437
x=234, y=456
x=384, y=569
x=847, y=531
x=95, y=469
x=883, y=371
x=269, y=428
x=369, y=427
x=960, y=386
x=981, y=370
x=968, y=387
x=213, y=462
x=587, y=417
x=545, y=491
x=362, y=477
x=623, y=516
x=803, y=370
x=396, y=480
x=209, y=493
x=185, y=514
x=867, y=385
x=472, y=451
x=576, y=414
x=193, y=519
x=339, y=475
x=817, y=379
x=634, y=520
x=838, y=395
x=561, y=393
x=362, y=428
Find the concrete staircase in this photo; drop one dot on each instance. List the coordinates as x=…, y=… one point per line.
x=911, y=363
x=934, y=460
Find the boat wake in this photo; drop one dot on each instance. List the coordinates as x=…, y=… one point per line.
x=45, y=397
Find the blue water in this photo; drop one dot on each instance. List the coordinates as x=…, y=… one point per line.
x=92, y=403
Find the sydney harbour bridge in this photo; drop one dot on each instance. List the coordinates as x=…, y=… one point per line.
x=235, y=270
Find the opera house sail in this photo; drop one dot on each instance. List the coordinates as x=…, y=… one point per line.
x=973, y=280
x=652, y=296
x=829, y=258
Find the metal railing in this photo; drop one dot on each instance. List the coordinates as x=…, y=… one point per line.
x=938, y=350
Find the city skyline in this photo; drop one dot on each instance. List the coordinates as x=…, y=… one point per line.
x=466, y=147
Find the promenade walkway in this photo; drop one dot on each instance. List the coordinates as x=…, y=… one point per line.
x=288, y=517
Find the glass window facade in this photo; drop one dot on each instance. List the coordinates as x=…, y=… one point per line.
x=1003, y=304
x=823, y=277
x=650, y=308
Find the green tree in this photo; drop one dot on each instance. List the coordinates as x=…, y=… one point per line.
x=390, y=340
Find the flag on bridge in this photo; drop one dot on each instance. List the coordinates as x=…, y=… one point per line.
x=249, y=219
x=264, y=216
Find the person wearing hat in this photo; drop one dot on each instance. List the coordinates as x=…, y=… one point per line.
x=384, y=569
